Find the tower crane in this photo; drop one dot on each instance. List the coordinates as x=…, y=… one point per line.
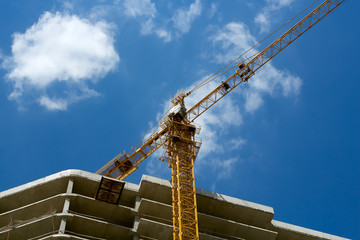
x=177, y=133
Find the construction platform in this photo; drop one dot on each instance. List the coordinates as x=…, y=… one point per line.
x=75, y=204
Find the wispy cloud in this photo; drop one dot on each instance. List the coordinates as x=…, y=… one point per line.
x=60, y=49
x=53, y=104
x=230, y=41
x=183, y=18
x=270, y=81
x=215, y=123
x=220, y=121
x=213, y=10
x=263, y=18
x=71, y=96
x=236, y=143
x=234, y=39
x=137, y=8
x=145, y=12
x=163, y=34
x=222, y=169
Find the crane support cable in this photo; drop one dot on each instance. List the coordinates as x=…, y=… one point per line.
x=293, y=33
x=248, y=70
x=220, y=73
x=141, y=142
x=144, y=136
x=123, y=165
x=177, y=133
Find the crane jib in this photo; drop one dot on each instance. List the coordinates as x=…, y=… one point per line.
x=244, y=73
x=176, y=131
x=247, y=69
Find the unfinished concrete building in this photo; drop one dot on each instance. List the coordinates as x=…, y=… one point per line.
x=75, y=204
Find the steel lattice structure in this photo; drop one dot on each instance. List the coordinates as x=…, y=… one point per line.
x=177, y=133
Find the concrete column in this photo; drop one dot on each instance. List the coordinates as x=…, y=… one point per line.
x=137, y=203
x=70, y=186
x=136, y=223
x=66, y=205
x=62, y=226
x=136, y=218
x=63, y=220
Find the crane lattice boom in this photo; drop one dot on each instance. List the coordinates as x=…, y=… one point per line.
x=177, y=133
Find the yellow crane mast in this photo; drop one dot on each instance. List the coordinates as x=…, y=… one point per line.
x=176, y=132
x=181, y=149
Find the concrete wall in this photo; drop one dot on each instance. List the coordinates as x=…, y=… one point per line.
x=63, y=206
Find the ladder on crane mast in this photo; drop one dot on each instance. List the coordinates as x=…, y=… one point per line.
x=177, y=132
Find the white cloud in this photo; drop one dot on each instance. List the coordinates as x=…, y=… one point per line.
x=60, y=104
x=276, y=4
x=263, y=20
x=215, y=123
x=213, y=10
x=145, y=12
x=147, y=27
x=53, y=104
x=266, y=14
x=234, y=39
x=100, y=12
x=223, y=169
x=227, y=115
x=60, y=49
x=136, y=8
x=229, y=42
x=219, y=150
x=271, y=81
x=226, y=167
x=68, y=5
x=236, y=143
x=253, y=100
x=183, y=18
x=162, y=33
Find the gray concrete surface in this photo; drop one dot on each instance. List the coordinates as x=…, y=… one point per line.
x=63, y=206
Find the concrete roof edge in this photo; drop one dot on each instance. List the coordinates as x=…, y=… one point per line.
x=131, y=186
x=235, y=201
x=305, y=231
x=52, y=177
x=217, y=196
x=156, y=180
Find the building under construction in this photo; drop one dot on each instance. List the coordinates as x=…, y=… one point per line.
x=75, y=204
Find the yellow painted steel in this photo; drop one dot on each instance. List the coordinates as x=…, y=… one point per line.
x=177, y=134
x=120, y=169
x=181, y=151
x=247, y=69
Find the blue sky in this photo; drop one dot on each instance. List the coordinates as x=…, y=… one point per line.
x=82, y=81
